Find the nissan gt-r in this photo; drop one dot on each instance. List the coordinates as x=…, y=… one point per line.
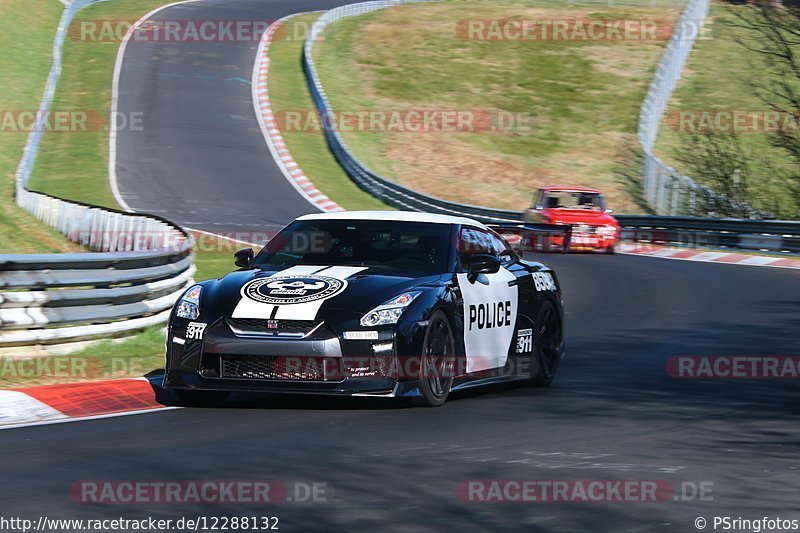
x=382, y=304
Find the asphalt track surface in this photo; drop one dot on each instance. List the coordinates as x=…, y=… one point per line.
x=613, y=414
x=199, y=157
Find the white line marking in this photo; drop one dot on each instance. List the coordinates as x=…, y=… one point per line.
x=694, y=259
x=112, y=136
x=225, y=237
x=92, y=417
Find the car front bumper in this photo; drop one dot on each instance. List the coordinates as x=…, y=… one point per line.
x=315, y=364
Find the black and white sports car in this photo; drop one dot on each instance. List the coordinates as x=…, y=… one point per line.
x=369, y=304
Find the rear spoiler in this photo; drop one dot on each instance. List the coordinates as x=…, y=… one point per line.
x=532, y=237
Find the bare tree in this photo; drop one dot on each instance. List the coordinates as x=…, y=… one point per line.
x=719, y=161
x=775, y=30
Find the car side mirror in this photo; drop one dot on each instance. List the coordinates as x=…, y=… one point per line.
x=482, y=264
x=609, y=210
x=243, y=257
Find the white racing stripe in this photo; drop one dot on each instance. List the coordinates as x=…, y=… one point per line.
x=248, y=308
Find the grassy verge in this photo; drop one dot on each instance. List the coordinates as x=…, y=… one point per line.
x=576, y=101
x=109, y=359
x=719, y=77
x=289, y=92
x=26, y=41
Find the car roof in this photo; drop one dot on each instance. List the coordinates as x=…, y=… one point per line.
x=399, y=216
x=571, y=189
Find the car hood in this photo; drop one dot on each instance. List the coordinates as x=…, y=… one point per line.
x=256, y=293
x=580, y=216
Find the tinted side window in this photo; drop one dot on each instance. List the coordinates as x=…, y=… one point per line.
x=472, y=241
x=478, y=241
x=499, y=248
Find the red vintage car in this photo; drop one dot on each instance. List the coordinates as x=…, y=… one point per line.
x=593, y=228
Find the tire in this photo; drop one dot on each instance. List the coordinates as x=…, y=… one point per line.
x=610, y=250
x=201, y=397
x=437, y=362
x=547, y=341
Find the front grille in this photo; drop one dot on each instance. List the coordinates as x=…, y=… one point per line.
x=584, y=229
x=280, y=367
x=262, y=326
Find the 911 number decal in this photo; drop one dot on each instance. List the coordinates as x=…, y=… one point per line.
x=194, y=330
x=544, y=281
x=525, y=341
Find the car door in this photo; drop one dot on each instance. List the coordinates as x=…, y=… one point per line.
x=527, y=287
x=490, y=302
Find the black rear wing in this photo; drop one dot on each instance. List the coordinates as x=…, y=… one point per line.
x=532, y=237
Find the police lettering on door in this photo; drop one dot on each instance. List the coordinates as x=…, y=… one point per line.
x=490, y=315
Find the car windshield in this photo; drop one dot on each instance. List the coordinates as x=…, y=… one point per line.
x=574, y=200
x=415, y=246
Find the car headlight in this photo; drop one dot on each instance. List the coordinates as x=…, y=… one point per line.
x=608, y=230
x=389, y=312
x=189, y=304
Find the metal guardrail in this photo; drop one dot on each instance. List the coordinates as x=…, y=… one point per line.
x=696, y=232
x=142, y=265
x=86, y=295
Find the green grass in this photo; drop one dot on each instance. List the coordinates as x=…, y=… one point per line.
x=581, y=98
x=289, y=92
x=718, y=76
x=28, y=29
x=109, y=359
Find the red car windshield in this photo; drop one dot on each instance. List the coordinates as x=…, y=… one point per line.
x=573, y=200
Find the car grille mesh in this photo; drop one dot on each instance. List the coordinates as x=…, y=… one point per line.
x=260, y=326
x=280, y=367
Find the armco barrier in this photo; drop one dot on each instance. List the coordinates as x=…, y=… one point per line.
x=697, y=232
x=141, y=265
x=665, y=190
x=86, y=295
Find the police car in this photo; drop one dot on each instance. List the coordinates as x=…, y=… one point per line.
x=369, y=303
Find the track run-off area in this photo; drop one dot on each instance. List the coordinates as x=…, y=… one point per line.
x=616, y=412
